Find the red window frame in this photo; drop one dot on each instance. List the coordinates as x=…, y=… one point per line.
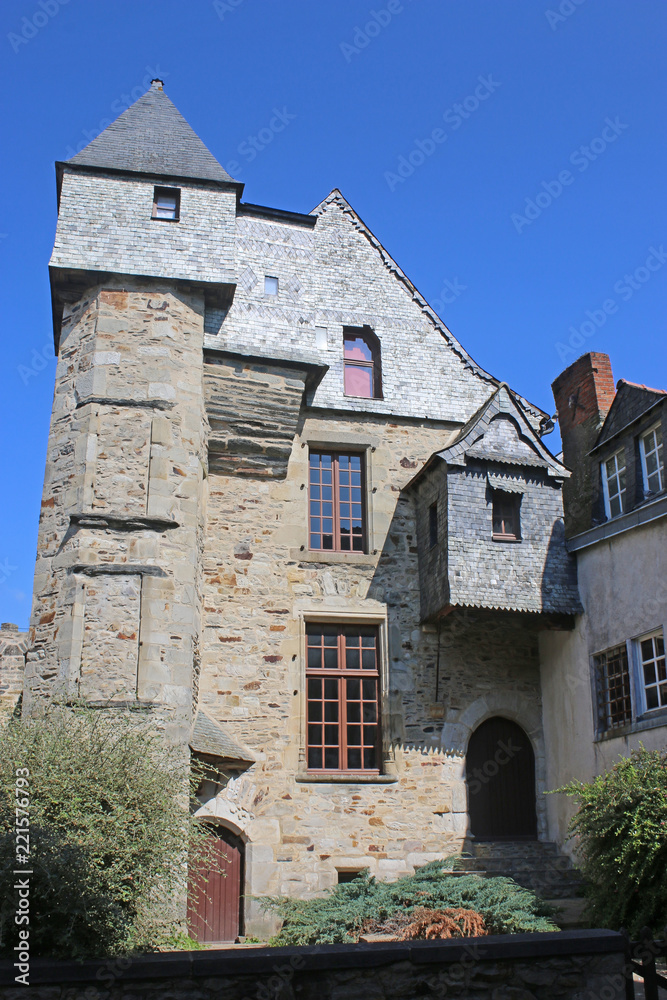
x=506, y=515
x=336, y=502
x=372, y=364
x=343, y=732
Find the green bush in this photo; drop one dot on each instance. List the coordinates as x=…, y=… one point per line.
x=337, y=917
x=109, y=832
x=621, y=826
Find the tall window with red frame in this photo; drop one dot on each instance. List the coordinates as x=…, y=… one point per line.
x=336, y=502
x=361, y=359
x=343, y=707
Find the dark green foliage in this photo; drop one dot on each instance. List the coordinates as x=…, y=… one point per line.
x=109, y=831
x=337, y=917
x=621, y=826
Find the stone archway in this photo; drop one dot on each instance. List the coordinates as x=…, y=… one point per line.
x=500, y=779
x=460, y=724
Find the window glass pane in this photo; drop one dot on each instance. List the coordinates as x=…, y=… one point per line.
x=270, y=285
x=368, y=659
x=331, y=711
x=314, y=687
x=354, y=711
x=331, y=758
x=330, y=661
x=356, y=349
x=315, y=757
x=314, y=735
x=652, y=697
x=354, y=759
x=358, y=381
x=315, y=711
x=354, y=736
x=331, y=688
x=353, y=689
x=352, y=659
x=314, y=660
x=331, y=736
x=370, y=711
x=369, y=690
x=370, y=758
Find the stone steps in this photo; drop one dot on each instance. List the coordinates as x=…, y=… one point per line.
x=536, y=865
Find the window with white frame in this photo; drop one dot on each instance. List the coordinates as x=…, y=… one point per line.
x=653, y=677
x=613, y=484
x=653, y=467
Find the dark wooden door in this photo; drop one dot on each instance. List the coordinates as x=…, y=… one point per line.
x=500, y=774
x=215, y=904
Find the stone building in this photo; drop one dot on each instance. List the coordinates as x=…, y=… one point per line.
x=288, y=513
x=604, y=683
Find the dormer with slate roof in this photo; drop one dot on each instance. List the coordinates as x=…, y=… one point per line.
x=108, y=218
x=490, y=519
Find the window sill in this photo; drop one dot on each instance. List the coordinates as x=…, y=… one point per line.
x=156, y=218
x=654, y=719
x=329, y=556
x=347, y=778
x=512, y=539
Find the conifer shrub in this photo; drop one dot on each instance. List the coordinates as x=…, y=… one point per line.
x=109, y=828
x=621, y=827
x=341, y=914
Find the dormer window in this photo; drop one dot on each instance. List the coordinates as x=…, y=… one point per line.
x=167, y=204
x=362, y=372
x=506, y=516
x=613, y=484
x=653, y=466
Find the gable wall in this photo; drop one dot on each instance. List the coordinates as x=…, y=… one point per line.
x=332, y=277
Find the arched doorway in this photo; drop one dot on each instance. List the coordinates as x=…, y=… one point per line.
x=500, y=775
x=215, y=897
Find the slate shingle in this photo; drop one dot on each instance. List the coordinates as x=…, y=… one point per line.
x=152, y=137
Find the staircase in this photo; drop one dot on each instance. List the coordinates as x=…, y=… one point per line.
x=537, y=865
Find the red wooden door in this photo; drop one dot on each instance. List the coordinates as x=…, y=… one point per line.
x=215, y=904
x=500, y=774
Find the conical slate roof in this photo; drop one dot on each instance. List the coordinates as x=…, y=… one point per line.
x=152, y=137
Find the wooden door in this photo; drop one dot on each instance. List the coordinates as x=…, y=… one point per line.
x=500, y=774
x=215, y=903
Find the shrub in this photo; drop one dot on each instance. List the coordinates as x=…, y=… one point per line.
x=621, y=825
x=340, y=915
x=109, y=831
x=425, y=924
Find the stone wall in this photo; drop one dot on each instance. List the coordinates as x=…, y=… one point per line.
x=116, y=598
x=564, y=966
x=261, y=586
x=13, y=646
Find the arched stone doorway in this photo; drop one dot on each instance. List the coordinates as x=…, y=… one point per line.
x=500, y=775
x=215, y=897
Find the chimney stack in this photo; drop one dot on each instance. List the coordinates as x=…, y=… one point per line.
x=583, y=393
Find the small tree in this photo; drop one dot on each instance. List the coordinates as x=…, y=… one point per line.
x=109, y=831
x=621, y=825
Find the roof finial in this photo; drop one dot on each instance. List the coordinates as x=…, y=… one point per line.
x=157, y=84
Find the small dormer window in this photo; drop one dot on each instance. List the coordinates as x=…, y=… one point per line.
x=361, y=354
x=506, y=516
x=167, y=204
x=613, y=484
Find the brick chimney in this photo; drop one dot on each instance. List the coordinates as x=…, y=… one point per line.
x=583, y=393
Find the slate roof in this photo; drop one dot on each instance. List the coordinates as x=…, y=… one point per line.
x=482, y=437
x=208, y=737
x=152, y=137
x=630, y=402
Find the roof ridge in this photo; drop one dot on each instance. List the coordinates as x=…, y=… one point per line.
x=639, y=385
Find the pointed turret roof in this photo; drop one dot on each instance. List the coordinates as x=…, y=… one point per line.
x=152, y=137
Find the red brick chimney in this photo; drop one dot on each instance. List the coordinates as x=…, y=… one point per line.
x=583, y=393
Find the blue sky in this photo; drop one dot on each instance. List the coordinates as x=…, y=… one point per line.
x=510, y=156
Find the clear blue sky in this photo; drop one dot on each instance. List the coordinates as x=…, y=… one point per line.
x=534, y=81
